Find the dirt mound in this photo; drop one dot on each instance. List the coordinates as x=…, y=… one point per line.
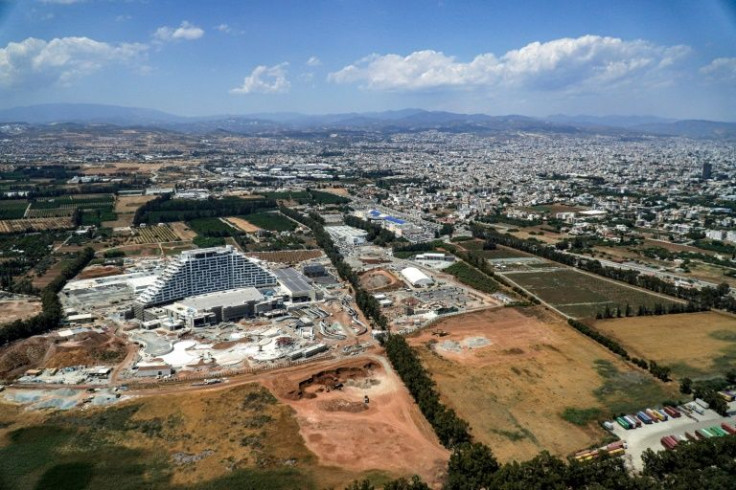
x=379, y=280
x=95, y=271
x=90, y=349
x=341, y=405
x=323, y=381
x=23, y=355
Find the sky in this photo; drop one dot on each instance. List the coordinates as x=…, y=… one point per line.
x=669, y=58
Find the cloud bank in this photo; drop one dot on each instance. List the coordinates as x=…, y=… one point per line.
x=35, y=62
x=561, y=64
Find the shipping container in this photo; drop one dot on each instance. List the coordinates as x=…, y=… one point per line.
x=672, y=412
x=728, y=428
x=662, y=414
x=632, y=421
x=726, y=396
x=617, y=452
x=644, y=417
x=623, y=423
x=707, y=433
x=717, y=431
x=652, y=415
x=702, y=403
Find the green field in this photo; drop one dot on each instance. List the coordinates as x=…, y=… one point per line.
x=583, y=295
x=270, y=221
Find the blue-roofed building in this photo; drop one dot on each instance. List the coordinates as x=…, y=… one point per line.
x=397, y=221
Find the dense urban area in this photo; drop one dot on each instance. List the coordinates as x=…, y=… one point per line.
x=538, y=306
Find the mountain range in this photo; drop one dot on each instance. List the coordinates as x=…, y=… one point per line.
x=387, y=121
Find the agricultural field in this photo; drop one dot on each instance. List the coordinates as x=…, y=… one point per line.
x=19, y=309
x=273, y=221
x=155, y=234
x=692, y=344
x=35, y=224
x=526, y=381
x=240, y=437
x=13, y=208
x=476, y=247
x=212, y=227
x=583, y=295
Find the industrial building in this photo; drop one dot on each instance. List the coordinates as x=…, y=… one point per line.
x=295, y=286
x=213, y=308
x=434, y=257
x=104, y=291
x=416, y=278
x=347, y=235
x=202, y=271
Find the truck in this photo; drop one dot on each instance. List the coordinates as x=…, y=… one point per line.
x=728, y=428
x=632, y=421
x=652, y=415
x=717, y=431
x=697, y=408
x=623, y=423
x=702, y=403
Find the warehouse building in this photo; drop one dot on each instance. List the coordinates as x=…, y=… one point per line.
x=416, y=278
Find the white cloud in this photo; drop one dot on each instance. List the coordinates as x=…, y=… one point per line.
x=224, y=28
x=186, y=32
x=720, y=69
x=592, y=61
x=265, y=80
x=123, y=18
x=35, y=62
x=314, y=61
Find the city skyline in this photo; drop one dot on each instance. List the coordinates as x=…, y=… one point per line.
x=667, y=59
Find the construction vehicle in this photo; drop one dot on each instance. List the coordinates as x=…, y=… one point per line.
x=440, y=333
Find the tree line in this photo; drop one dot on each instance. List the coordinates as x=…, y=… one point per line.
x=376, y=233
x=51, y=310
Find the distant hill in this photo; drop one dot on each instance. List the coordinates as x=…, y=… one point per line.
x=386, y=121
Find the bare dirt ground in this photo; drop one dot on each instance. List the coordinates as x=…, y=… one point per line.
x=513, y=389
x=244, y=225
x=90, y=349
x=94, y=271
x=380, y=280
x=688, y=342
x=340, y=191
x=388, y=433
x=19, y=309
x=287, y=256
x=183, y=231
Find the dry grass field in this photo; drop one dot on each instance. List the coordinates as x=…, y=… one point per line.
x=693, y=344
x=243, y=224
x=514, y=389
x=229, y=437
x=19, y=309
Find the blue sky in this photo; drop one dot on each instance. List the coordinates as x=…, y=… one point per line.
x=668, y=58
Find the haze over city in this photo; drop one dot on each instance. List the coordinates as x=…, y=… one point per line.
x=670, y=59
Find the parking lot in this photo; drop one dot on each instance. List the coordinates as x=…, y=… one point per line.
x=649, y=436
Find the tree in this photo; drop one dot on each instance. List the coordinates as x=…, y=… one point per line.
x=686, y=386
x=471, y=466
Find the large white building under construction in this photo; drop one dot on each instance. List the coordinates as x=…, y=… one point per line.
x=202, y=271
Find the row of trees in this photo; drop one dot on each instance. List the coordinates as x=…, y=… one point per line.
x=698, y=465
x=644, y=310
x=700, y=299
x=365, y=301
x=51, y=312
